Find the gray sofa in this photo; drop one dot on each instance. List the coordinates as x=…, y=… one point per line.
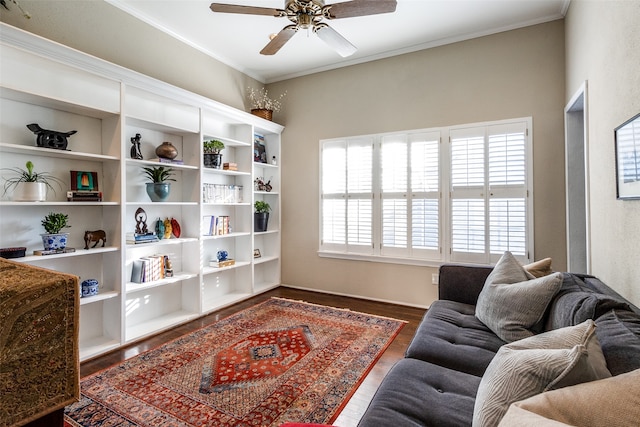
x=437, y=381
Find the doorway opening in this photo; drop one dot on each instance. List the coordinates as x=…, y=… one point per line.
x=577, y=183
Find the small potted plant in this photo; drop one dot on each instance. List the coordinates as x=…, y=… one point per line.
x=30, y=186
x=262, y=105
x=212, y=155
x=261, y=216
x=159, y=187
x=53, y=224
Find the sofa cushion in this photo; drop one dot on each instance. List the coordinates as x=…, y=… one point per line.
x=576, y=302
x=451, y=336
x=539, y=268
x=524, y=368
x=609, y=402
x=511, y=304
x=619, y=334
x=417, y=393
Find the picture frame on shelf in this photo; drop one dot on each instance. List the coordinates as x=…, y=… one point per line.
x=259, y=149
x=84, y=181
x=627, y=150
x=256, y=253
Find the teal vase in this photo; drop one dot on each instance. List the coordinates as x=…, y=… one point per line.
x=158, y=191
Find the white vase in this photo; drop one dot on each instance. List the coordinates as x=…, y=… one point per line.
x=30, y=192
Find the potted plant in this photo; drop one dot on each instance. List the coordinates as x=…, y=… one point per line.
x=29, y=186
x=261, y=216
x=158, y=189
x=212, y=156
x=53, y=224
x=262, y=105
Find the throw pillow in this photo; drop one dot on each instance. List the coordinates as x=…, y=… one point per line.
x=512, y=302
x=525, y=368
x=539, y=268
x=609, y=402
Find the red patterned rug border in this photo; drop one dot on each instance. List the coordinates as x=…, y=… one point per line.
x=356, y=385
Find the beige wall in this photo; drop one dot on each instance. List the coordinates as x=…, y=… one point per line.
x=512, y=74
x=603, y=48
x=102, y=30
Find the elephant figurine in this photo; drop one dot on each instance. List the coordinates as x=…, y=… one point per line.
x=94, y=236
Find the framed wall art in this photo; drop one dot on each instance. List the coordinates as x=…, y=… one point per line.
x=84, y=181
x=627, y=141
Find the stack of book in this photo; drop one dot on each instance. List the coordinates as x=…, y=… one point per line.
x=219, y=264
x=53, y=251
x=215, y=225
x=149, y=269
x=84, y=196
x=172, y=161
x=230, y=166
x=135, y=238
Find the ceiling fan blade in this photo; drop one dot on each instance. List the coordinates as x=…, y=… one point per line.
x=278, y=41
x=335, y=40
x=249, y=10
x=350, y=9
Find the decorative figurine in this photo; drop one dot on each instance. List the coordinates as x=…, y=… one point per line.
x=160, y=229
x=167, y=228
x=94, y=236
x=222, y=255
x=135, y=148
x=168, y=268
x=175, y=228
x=141, y=221
x=50, y=138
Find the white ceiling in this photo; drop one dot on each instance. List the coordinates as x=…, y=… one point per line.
x=236, y=40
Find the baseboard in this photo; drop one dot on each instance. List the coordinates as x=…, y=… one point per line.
x=323, y=291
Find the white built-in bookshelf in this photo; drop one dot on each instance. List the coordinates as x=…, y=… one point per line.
x=63, y=89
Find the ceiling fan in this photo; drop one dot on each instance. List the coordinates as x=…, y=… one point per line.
x=308, y=14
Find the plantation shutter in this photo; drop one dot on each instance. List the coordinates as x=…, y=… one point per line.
x=410, y=192
x=489, y=192
x=468, y=225
x=507, y=190
x=347, y=193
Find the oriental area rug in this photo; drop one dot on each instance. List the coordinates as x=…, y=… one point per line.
x=279, y=361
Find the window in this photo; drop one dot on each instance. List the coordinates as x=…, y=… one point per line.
x=382, y=195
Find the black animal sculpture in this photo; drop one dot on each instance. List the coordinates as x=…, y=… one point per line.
x=50, y=138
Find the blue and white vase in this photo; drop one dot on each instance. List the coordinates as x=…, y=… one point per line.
x=89, y=288
x=55, y=241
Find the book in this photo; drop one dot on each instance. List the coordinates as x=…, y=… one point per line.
x=230, y=166
x=43, y=252
x=259, y=149
x=207, y=225
x=220, y=264
x=171, y=161
x=134, y=238
x=136, y=271
x=84, y=196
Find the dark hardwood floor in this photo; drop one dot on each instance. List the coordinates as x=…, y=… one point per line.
x=352, y=412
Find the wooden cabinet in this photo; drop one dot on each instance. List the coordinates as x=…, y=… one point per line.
x=62, y=89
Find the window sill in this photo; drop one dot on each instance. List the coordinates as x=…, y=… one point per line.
x=383, y=259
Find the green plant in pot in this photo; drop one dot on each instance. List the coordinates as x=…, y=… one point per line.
x=53, y=224
x=261, y=216
x=212, y=155
x=159, y=188
x=28, y=185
